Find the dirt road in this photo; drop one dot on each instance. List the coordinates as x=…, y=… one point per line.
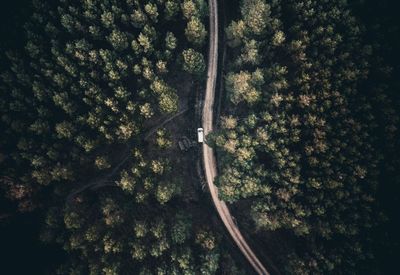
x=208, y=153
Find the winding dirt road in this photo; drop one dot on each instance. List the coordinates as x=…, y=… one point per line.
x=208, y=152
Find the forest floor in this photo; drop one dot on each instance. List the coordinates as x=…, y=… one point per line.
x=184, y=163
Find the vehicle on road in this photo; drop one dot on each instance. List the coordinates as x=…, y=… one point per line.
x=200, y=135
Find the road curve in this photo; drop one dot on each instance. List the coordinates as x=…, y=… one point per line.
x=208, y=152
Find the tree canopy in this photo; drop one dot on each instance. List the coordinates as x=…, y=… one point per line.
x=300, y=139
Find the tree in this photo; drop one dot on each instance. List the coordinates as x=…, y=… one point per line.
x=242, y=87
x=165, y=191
x=255, y=14
x=168, y=102
x=101, y=163
x=235, y=33
x=127, y=182
x=181, y=229
x=65, y=130
x=171, y=9
x=193, y=62
x=151, y=10
x=78, y=93
x=118, y=40
x=195, y=31
x=163, y=141
x=304, y=152
x=190, y=9
x=171, y=41
x=278, y=38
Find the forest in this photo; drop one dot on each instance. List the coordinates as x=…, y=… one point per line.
x=306, y=139
x=309, y=136
x=76, y=100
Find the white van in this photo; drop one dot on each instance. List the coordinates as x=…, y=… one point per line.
x=200, y=135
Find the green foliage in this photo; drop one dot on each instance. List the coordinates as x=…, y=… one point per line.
x=162, y=139
x=171, y=41
x=171, y=8
x=118, y=40
x=73, y=106
x=235, y=33
x=101, y=163
x=300, y=140
x=194, y=12
x=256, y=14
x=193, y=8
x=196, y=32
x=181, y=229
x=193, y=62
x=244, y=86
x=78, y=84
x=168, y=102
x=166, y=240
